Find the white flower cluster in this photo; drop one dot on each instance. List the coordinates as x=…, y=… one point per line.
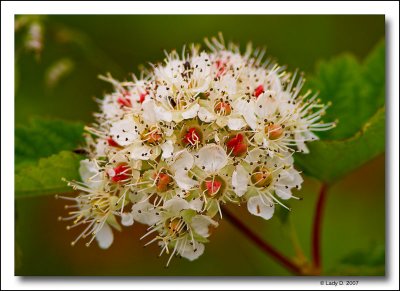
x=197, y=131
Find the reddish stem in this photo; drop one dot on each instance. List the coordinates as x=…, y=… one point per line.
x=317, y=229
x=268, y=249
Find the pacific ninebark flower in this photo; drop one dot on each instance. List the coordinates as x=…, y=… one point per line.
x=199, y=130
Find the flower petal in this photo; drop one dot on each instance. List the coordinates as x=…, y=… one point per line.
x=101, y=147
x=184, y=181
x=105, y=237
x=167, y=149
x=283, y=192
x=240, y=178
x=175, y=205
x=211, y=158
x=149, y=114
x=90, y=174
x=126, y=219
x=191, y=252
x=291, y=178
x=227, y=83
x=258, y=207
x=274, y=82
x=254, y=155
x=205, y=115
x=153, y=112
x=191, y=112
x=300, y=143
x=162, y=114
x=196, y=204
x=236, y=123
x=266, y=104
x=201, y=223
x=124, y=132
x=141, y=152
x=145, y=213
x=247, y=110
x=183, y=160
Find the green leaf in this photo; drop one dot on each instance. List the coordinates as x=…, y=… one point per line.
x=331, y=159
x=44, y=137
x=355, y=90
x=370, y=262
x=45, y=177
x=357, y=93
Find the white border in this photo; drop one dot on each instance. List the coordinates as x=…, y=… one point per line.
x=9, y=9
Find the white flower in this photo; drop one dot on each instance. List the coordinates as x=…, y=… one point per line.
x=260, y=179
x=211, y=158
x=181, y=164
x=220, y=112
x=124, y=132
x=199, y=130
x=105, y=237
x=91, y=174
x=180, y=229
x=152, y=113
x=145, y=213
x=259, y=206
x=95, y=210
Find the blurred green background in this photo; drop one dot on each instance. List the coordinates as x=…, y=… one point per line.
x=60, y=80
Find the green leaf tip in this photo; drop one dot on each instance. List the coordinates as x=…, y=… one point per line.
x=44, y=178
x=357, y=93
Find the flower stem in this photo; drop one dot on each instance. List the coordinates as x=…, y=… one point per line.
x=316, y=234
x=268, y=249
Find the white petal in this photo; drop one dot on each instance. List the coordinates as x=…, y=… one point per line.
x=153, y=112
x=111, y=108
x=258, y=207
x=175, y=205
x=227, y=83
x=247, y=110
x=202, y=84
x=141, y=152
x=124, y=131
x=275, y=82
x=216, y=137
x=162, y=114
x=191, y=252
x=196, y=204
x=162, y=92
x=240, y=178
x=290, y=178
x=126, y=219
x=184, y=181
x=201, y=223
x=283, y=192
x=167, y=149
x=90, y=174
x=182, y=160
x=211, y=158
x=254, y=155
x=309, y=135
x=144, y=212
x=236, y=123
x=222, y=121
x=191, y=112
x=101, y=147
x=149, y=114
x=137, y=197
x=300, y=143
x=105, y=237
x=268, y=105
x=205, y=115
